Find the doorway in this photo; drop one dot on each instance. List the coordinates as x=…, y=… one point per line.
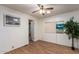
x=31, y=31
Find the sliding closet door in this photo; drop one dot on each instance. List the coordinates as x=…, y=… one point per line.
x=50, y=31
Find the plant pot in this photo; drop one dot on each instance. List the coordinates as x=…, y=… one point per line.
x=73, y=48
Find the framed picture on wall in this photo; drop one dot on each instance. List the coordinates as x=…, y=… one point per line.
x=60, y=27
x=11, y=20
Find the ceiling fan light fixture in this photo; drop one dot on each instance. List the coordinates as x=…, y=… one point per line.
x=48, y=12
x=42, y=11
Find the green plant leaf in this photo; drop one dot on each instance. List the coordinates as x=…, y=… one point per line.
x=72, y=28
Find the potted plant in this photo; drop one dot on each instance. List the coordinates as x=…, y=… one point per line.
x=72, y=30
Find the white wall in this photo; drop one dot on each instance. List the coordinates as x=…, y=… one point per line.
x=61, y=39
x=15, y=36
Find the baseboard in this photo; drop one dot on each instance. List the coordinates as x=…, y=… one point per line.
x=58, y=44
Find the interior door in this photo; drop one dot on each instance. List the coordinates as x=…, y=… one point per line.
x=31, y=30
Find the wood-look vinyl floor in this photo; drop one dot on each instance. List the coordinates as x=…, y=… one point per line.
x=42, y=47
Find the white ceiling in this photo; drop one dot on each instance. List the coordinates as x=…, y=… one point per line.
x=29, y=8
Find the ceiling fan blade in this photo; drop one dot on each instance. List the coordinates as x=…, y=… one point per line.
x=35, y=11
x=51, y=8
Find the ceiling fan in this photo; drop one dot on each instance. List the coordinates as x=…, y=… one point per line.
x=43, y=10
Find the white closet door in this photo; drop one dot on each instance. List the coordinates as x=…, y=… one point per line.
x=50, y=31
x=50, y=27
